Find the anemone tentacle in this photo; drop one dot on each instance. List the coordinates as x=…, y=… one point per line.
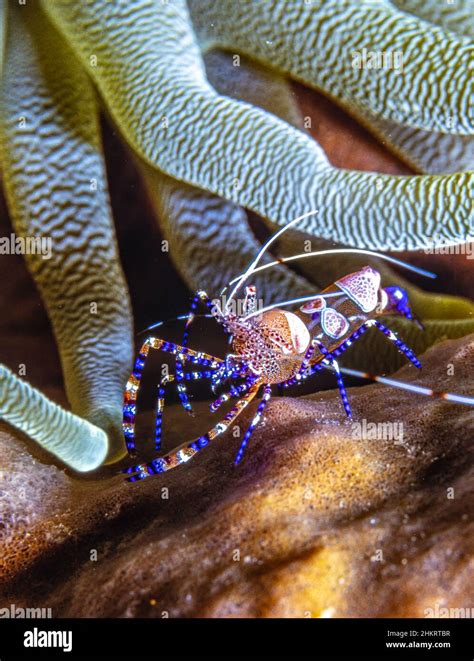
x=152, y=79
x=57, y=190
x=320, y=44
x=75, y=441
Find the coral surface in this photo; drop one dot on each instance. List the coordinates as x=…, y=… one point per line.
x=321, y=519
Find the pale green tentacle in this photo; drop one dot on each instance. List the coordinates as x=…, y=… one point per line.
x=430, y=152
x=266, y=89
x=135, y=77
x=209, y=238
x=56, y=189
x=454, y=15
x=318, y=43
x=425, y=151
x=243, y=80
x=151, y=77
x=78, y=443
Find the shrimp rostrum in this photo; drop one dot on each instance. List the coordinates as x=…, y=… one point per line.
x=273, y=346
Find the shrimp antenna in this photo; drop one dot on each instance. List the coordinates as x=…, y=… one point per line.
x=395, y=383
x=334, y=251
x=181, y=317
x=243, y=277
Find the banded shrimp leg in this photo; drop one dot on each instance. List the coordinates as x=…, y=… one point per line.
x=214, y=308
x=330, y=362
x=179, y=365
x=330, y=358
x=133, y=384
x=183, y=453
x=215, y=312
x=221, y=372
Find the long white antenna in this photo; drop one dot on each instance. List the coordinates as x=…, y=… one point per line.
x=181, y=317
x=337, y=251
x=243, y=277
x=449, y=396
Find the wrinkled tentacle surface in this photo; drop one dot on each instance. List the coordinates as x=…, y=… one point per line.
x=151, y=76
x=75, y=441
x=210, y=238
x=457, y=16
x=208, y=248
x=444, y=316
x=56, y=187
x=430, y=151
x=317, y=47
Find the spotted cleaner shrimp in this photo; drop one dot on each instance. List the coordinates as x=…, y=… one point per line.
x=272, y=346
